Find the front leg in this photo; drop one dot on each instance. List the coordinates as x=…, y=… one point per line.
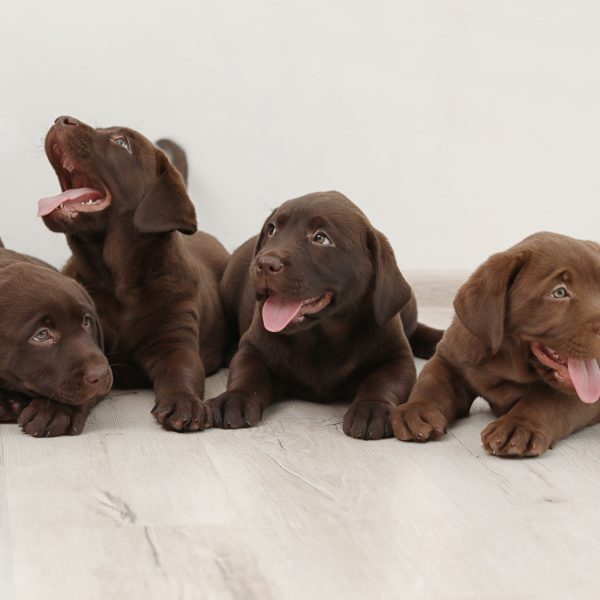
x=249, y=391
x=386, y=387
x=438, y=398
x=177, y=374
x=537, y=421
x=46, y=418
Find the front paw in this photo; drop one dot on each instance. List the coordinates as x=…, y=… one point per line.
x=368, y=420
x=418, y=422
x=46, y=418
x=11, y=406
x=514, y=436
x=232, y=410
x=182, y=414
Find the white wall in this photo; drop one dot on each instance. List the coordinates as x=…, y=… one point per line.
x=459, y=127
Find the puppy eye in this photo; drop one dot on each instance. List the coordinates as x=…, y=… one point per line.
x=123, y=142
x=560, y=292
x=41, y=335
x=87, y=321
x=271, y=229
x=322, y=239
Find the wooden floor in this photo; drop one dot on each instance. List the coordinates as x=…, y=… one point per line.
x=293, y=509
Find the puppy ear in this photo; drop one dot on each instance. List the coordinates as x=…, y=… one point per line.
x=480, y=303
x=390, y=290
x=166, y=205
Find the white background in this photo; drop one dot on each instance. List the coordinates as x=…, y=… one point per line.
x=459, y=127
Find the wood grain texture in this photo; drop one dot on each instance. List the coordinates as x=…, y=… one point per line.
x=292, y=509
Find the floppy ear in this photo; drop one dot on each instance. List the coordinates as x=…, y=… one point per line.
x=391, y=291
x=480, y=303
x=166, y=205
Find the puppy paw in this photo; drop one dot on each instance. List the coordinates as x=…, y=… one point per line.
x=11, y=406
x=232, y=410
x=368, y=420
x=418, y=422
x=513, y=437
x=46, y=418
x=182, y=414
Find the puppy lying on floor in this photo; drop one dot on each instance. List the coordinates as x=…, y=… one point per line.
x=123, y=209
x=318, y=295
x=526, y=337
x=52, y=368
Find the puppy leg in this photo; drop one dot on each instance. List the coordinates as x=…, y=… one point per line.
x=249, y=392
x=177, y=374
x=45, y=418
x=11, y=405
x=367, y=418
x=536, y=422
x=439, y=397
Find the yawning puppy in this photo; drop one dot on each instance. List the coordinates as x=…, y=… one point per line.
x=318, y=295
x=52, y=368
x=526, y=337
x=123, y=209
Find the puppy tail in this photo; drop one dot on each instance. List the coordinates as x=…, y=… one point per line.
x=176, y=155
x=424, y=339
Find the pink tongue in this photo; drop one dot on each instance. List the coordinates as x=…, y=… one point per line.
x=277, y=312
x=47, y=205
x=585, y=375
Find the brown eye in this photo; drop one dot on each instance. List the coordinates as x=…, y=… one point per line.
x=87, y=322
x=41, y=335
x=322, y=239
x=560, y=292
x=123, y=142
x=271, y=229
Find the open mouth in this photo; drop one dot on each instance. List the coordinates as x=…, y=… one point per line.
x=280, y=311
x=582, y=375
x=82, y=192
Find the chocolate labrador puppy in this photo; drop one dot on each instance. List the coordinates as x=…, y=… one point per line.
x=124, y=208
x=52, y=368
x=326, y=315
x=526, y=337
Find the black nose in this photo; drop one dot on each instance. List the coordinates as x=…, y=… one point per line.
x=95, y=373
x=65, y=120
x=268, y=264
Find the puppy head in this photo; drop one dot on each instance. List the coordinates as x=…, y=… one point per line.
x=109, y=174
x=545, y=293
x=318, y=257
x=50, y=337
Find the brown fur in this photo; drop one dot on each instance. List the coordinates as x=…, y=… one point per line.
x=156, y=290
x=48, y=385
x=504, y=308
x=355, y=349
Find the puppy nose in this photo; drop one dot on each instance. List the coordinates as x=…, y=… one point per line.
x=268, y=264
x=66, y=121
x=95, y=373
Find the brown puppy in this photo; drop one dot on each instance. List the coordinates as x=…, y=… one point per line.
x=52, y=368
x=526, y=337
x=122, y=208
x=319, y=293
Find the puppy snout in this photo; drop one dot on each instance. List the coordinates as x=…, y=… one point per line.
x=95, y=374
x=268, y=265
x=66, y=121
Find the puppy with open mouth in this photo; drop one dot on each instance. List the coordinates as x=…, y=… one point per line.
x=324, y=314
x=131, y=227
x=526, y=337
x=52, y=367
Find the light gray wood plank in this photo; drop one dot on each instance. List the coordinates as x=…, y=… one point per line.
x=293, y=508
